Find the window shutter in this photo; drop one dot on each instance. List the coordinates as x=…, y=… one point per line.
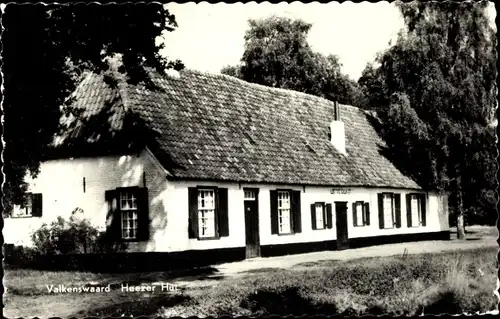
x=36, y=208
x=424, y=209
x=223, y=213
x=380, y=210
x=297, y=215
x=113, y=217
x=354, y=214
x=143, y=214
x=397, y=208
x=366, y=211
x=274, y=211
x=313, y=216
x=329, y=216
x=193, y=212
x=408, y=210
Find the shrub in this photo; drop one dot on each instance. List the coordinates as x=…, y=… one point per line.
x=76, y=235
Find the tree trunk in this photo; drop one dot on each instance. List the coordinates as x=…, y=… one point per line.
x=460, y=212
x=460, y=225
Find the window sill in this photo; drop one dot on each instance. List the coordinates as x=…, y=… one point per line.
x=286, y=234
x=20, y=217
x=134, y=240
x=209, y=238
x=361, y=226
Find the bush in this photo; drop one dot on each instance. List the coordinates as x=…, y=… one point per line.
x=77, y=235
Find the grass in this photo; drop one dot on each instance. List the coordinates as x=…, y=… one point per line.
x=431, y=284
x=453, y=282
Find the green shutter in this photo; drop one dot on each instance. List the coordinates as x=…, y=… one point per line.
x=380, y=197
x=408, y=210
x=193, y=212
x=36, y=205
x=143, y=214
x=329, y=219
x=223, y=213
x=366, y=211
x=313, y=216
x=297, y=214
x=423, y=206
x=113, y=218
x=274, y=211
x=397, y=208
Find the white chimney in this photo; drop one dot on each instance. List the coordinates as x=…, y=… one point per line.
x=337, y=130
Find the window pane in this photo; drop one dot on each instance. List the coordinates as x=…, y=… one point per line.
x=319, y=216
x=415, y=221
x=359, y=214
x=388, y=218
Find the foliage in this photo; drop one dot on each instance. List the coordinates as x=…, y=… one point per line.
x=277, y=54
x=58, y=44
x=436, y=95
x=76, y=235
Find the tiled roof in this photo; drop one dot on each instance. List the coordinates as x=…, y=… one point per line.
x=221, y=128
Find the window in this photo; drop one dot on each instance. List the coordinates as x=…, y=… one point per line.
x=128, y=209
x=32, y=206
x=284, y=226
x=286, y=216
x=250, y=194
x=206, y=212
x=416, y=217
x=128, y=213
x=361, y=214
x=415, y=210
x=319, y=211
x=388, y=211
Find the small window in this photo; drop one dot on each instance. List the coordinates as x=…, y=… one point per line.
x=388, y=211
x=361, y=214
x=32, y=206
x=250, y=195
x=284, y=225
x=319, y=211
x=128, y=208
x=206, y=213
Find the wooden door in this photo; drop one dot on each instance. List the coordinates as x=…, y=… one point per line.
x=251, y=206
x=341, y=222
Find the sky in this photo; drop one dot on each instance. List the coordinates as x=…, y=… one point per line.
x=210, y=36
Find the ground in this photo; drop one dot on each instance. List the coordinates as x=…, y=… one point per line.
x=454, y=275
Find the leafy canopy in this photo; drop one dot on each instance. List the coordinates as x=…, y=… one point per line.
x=277, y=54
x=436, y=96
x=46, y=48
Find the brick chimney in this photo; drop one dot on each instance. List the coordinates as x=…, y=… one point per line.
x=337, y=130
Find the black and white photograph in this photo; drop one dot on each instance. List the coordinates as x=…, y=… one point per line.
x=249, y=159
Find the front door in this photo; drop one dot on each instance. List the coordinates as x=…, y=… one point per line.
x=341, y=221
x=251, y=206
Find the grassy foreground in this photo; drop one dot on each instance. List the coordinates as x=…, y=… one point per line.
x=461, y=281
x=456, y=282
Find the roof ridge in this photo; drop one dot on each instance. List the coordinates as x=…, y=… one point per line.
x=261, y=86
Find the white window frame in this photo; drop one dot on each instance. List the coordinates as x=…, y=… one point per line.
x=319, y=212
x=416, y=222
x=391, y=196
x=249, y=194
x=284, y=212
x=206, y=214
x=128, y=204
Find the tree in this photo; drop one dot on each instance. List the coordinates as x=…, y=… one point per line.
x=45, y=50
x=277, y=54
x=435, y=93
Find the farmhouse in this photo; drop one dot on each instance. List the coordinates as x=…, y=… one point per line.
x=208, y=163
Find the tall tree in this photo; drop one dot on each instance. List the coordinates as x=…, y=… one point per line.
x=436, y=95
x=277, y=54
x=45, y=50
